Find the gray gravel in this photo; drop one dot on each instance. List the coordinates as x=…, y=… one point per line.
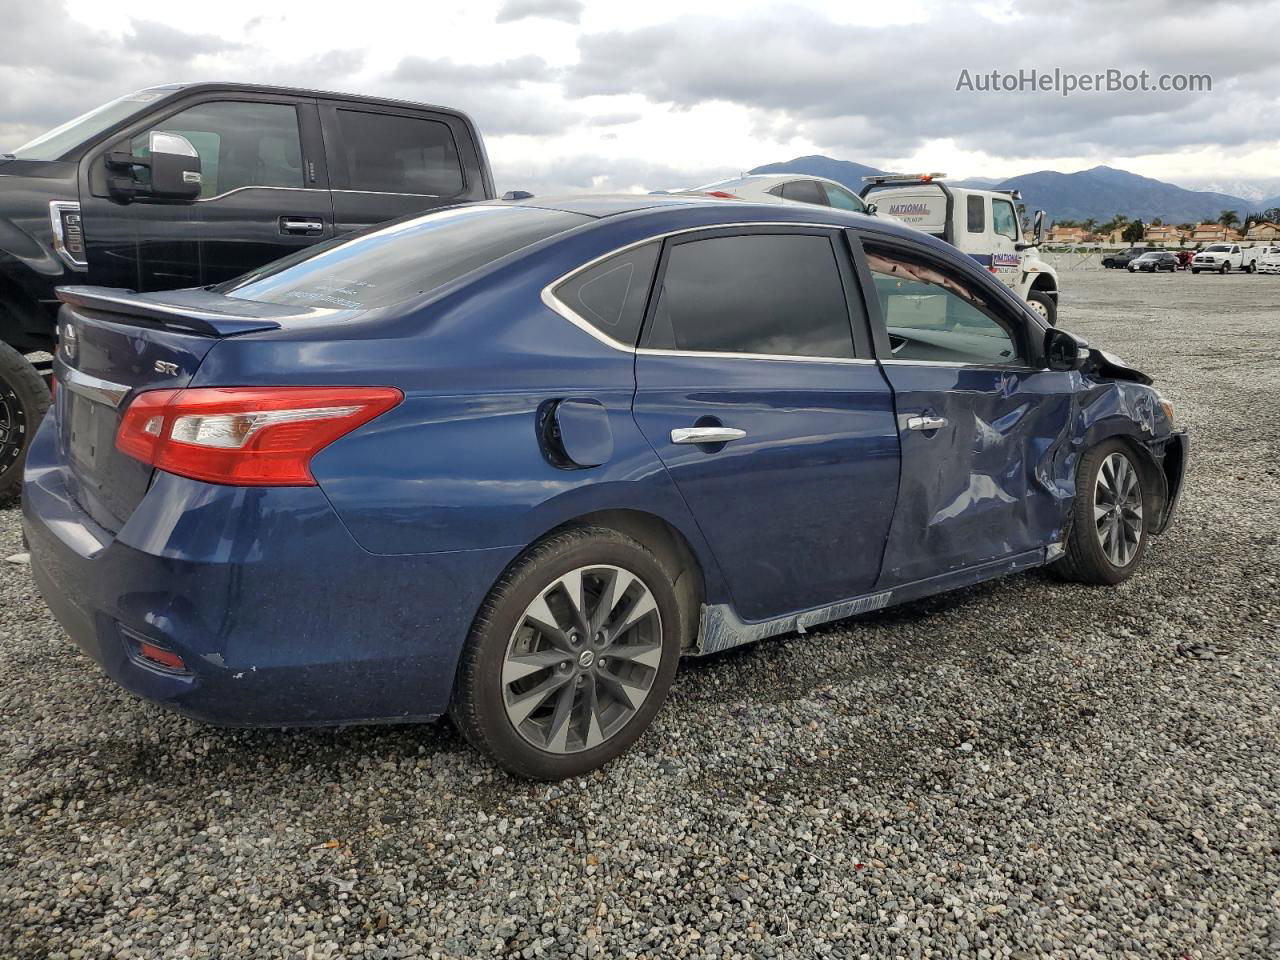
x=1020, y=769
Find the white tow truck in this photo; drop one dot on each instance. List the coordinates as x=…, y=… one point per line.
x=982, y=223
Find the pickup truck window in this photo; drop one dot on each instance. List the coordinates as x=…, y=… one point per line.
x=240, y=144
x=1217, y=248
x=395, y=262
x=393, y=154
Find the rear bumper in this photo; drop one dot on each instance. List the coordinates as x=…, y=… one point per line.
x=280, y=617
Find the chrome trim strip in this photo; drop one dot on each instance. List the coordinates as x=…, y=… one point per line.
x=557, y=306
x=958, y=365
x=706, y=434
x=394, y=193
x=790, y=357
x=261, y=187
x=56, y=208
x=94, y=388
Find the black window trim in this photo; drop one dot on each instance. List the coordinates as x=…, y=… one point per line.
x=1020, y=321
x=849, y=280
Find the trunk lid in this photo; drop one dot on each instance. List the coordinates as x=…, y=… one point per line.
x=114, y=344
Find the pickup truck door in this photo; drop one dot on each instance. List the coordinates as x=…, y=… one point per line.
x=387, y=162
x=978, y=420
x=265, y=195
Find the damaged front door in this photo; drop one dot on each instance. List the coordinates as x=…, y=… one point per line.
x=979, y=425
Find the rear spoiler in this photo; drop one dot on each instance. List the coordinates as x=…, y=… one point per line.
x=208, y=323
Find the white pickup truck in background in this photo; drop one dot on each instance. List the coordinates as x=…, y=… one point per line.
x=1225, y=257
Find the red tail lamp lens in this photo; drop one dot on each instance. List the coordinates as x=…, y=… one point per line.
x=246, y=436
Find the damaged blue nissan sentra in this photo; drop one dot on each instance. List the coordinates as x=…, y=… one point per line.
x=511, y=460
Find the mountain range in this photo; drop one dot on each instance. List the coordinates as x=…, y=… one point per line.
x=1098, y=193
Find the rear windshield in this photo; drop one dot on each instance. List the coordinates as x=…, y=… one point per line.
x=401, y=260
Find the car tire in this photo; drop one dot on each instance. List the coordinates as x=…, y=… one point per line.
x=1225, y=268
x=1047, y=307
x=24, y=400
x=593, y=704
x=1106, y=548
x=1195, y=270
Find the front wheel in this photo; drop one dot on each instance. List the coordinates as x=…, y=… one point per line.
x=571, y=655
x=1045, y=305
x=1195, y=270
x=1108, y=524
x=1224, y=268
x=23, y=402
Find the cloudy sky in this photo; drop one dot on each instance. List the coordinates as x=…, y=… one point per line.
x=630, y=95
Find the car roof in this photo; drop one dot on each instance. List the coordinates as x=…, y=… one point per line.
x=609, y=204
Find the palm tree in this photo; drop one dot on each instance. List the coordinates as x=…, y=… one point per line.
x=1228, y=218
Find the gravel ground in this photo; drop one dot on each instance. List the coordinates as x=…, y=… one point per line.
x=1021, y=769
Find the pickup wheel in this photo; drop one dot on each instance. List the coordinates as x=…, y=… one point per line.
x=1043, y=304
x=23, y=402
x=1225, y=268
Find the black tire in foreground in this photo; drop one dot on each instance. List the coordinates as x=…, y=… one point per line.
x=571, y=655
x=1048, y=307
x=1108, y=525
x=24, y=399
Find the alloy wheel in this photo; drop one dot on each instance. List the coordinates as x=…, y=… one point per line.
x=1117, y=509
x=582, y=659
x=13, y=420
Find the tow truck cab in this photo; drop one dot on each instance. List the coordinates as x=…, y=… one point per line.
x=186, y=185
x=982, y=223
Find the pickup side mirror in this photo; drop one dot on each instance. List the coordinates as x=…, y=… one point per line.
x=1063, y=350
x=170, y=171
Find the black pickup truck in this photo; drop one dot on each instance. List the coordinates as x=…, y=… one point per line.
x=186, y=185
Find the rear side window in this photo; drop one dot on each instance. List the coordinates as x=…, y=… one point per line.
x=975, y=207
x=393, y=263
x=775, y=294
x=611, y=295
x=392, y=154
x=804, y=191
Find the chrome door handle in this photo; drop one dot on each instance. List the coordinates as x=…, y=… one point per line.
x=926, y=423
x=304, y=225
x=706, y=434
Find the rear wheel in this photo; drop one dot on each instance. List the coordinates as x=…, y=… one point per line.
x=1108, y=529
x=570, y=657
x=23, y=402
x=1195, y=269
x=1043, y=304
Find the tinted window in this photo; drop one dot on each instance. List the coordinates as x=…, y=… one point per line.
x=777, y=294
x=1003, y=219
x=805, y=191
x=392, y=263
x=841, y=198
x=933, y=315
x=976, y=209
x=611, y=295
x=240, y=144
x=390, y=154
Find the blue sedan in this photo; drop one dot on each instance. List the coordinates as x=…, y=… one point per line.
x=512, y=460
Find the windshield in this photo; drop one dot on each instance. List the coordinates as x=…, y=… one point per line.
x=1150, y=256
x=61, y=140
x=1217, y=248
x=392, y=263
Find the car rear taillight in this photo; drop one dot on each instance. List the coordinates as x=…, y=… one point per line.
x=245, y=436
x=722, y=193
